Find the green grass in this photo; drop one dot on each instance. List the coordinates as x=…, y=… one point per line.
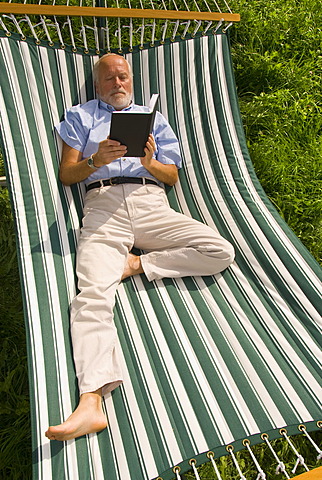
x=277, y=54
x=15, y=436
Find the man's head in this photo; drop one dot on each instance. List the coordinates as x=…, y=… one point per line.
x=113, y=80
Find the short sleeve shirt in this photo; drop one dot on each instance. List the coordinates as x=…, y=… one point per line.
x=86, y=125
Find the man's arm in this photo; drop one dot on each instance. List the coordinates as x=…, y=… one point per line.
x=73, y=169
x=165, y=173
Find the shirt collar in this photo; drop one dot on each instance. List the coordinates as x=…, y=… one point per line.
x=110, y=108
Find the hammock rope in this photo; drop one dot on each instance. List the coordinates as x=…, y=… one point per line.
x=308, y=436
x=261, y=475
x=299, y=458
x=280, y=468
x=176, y=470
x=230, y=450
x=120, y=27
x=193, y=463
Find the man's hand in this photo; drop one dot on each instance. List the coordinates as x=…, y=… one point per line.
x=150, y=148
x=108, y=151
x=164, y=173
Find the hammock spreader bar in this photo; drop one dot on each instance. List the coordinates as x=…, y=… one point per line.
x=66, y=10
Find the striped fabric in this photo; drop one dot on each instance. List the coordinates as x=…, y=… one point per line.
x=208, y=361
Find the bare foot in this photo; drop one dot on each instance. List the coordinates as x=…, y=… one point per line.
x=87, y=418
x=133, y=266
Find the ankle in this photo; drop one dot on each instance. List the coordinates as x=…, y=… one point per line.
x=93, y=398
x=136, y=264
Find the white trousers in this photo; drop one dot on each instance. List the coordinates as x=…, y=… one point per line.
x=116, y=219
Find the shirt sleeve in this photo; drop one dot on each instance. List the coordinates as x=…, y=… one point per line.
x=168, y=149
x=72, y=129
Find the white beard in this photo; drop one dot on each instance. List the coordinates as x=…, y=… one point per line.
x=118, y=100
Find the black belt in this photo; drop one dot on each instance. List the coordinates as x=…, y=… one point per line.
x=119, y=180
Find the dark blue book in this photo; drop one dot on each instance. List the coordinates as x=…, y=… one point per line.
x=133, y=128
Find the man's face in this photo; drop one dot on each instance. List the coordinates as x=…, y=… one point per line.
x=114, y=82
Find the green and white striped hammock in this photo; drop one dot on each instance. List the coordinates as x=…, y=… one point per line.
x=209, y=363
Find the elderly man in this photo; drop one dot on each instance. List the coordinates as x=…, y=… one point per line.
x=131, y=210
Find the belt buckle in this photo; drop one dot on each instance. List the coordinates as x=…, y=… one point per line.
x=111, y=181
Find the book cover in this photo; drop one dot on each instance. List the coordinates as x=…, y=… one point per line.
x=133, y=128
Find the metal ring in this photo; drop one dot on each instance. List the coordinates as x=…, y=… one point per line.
x=319, y=423
x=264, y=436
x=246, y=442
x=283, y=430
x=176, y=469
x=230, y=448
x=301, y=428
x=192, y=461
x=210, y=454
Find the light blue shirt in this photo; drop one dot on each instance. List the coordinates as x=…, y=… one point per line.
x=88, y=124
